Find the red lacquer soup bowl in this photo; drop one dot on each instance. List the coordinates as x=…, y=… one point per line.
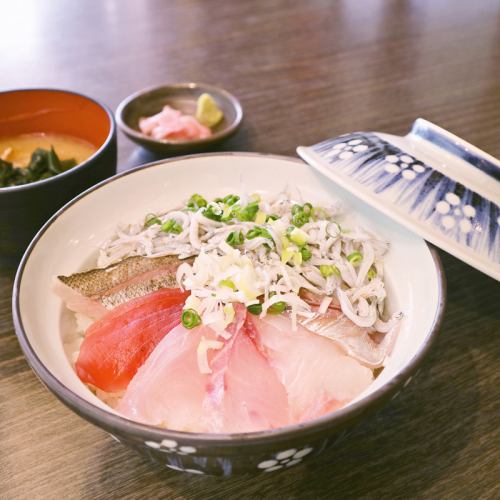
x=24, y=208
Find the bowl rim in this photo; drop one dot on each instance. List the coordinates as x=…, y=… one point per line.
x=131, y=132
x=122, y=425
x=84, y=164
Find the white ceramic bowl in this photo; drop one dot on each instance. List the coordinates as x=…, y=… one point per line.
x=68, y=242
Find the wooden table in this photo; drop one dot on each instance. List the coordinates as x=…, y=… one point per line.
x=304, y=71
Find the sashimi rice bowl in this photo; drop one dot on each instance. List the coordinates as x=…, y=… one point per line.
x=219, y=319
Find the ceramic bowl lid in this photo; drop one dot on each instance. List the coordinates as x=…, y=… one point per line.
x=431, y=181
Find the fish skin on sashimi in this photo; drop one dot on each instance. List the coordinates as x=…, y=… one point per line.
x=119, y=343
x=96, y=291
x=317, y=375
x=357, y=341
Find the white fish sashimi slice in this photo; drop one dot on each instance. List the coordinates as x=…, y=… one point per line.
x=168, y=390
x=244, y=393
x=317, y=375
x=255, y=399
x=213, y=403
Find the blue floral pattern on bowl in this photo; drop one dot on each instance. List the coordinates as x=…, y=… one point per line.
x=406, y=187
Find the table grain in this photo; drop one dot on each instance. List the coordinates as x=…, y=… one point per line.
x=304, y=71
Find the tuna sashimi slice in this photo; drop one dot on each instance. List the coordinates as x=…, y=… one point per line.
x=317, y=375
x=118, y=344
x=138, y=308
x=245, y=394
x=168, y=390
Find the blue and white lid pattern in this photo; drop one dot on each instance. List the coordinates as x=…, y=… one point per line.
x=442, y=210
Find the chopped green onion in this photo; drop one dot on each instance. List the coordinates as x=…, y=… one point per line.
x=260, y=218
x=327, y=270
x=272, y=217
x=286, y=255
x=306, y=253
x=277, y=308
x=298, y=236
x=300, y=219
x=354, y=258
x=248, y=212
x=235, y=210
x=235, y=238
x=258, y=231
x=196, y=202
x=213, y=212
x=228, y=283
x=371, y=273
x=255, y=308
x=190, y=318
x=231, y=199
x=307, y=208
x=253, y=233
x=171, y=226
x=151, y=219
x=301, y=214
x=297, y=258
x=339, y=227
x=226, y=214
